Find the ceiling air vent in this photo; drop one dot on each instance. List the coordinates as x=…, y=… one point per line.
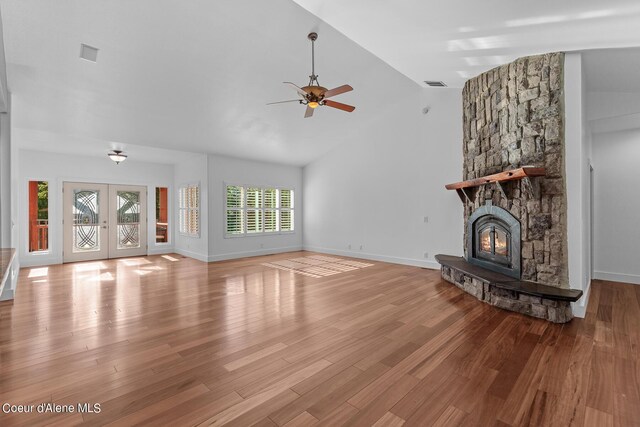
x=434, y=83
x=89, y=53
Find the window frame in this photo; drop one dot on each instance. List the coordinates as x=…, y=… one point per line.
x=190, y=209
x=169, y=214
x=50, y=235
x=262, y=209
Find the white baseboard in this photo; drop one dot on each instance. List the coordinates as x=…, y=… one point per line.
x=259, y=252
x=579, y=308
x=194, y=255
x=11, y=282
x=161, y=250
x=375, y=257
x=7, y=295
x=617, y=277
x=39, y=261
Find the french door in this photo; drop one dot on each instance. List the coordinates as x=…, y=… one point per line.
x=104, y=221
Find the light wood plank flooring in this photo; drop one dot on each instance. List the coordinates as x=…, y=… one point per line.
x=167, y=340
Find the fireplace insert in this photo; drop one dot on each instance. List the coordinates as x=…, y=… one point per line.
x=493, y=240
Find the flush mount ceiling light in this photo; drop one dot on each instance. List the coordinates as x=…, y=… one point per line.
x=117, y=156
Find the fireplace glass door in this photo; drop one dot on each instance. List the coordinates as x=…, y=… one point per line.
x=492, y=242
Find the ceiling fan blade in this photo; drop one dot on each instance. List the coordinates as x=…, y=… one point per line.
x=339, y=106
x=337, y=91
x=282, y=102
x=298, y=89
x=308, y=112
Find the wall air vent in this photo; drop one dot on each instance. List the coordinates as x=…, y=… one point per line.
x=89, y=53
x=434, y=83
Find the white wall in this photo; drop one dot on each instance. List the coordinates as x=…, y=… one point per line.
x=193, y=170
x=5, y=180
x=58, y=168
x=602, y=105
x=617, y=230
x=369, y=197
x=236, y=171
x=7, y=239
x=577, y=166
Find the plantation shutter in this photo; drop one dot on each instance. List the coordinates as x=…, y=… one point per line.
x=235, y=210
x=254, y=210
x=286, y=210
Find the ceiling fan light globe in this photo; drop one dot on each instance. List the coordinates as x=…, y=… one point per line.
x=313, y=104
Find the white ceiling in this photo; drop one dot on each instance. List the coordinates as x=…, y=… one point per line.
x=196, y=75
x=612, y=70
x=191, y=76
x=457, y=39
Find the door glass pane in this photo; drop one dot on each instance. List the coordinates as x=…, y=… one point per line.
x=485, y=240
x=501, y=243
x=86, y=221
x=38, y=216
x=128, y=214
x=162, y=215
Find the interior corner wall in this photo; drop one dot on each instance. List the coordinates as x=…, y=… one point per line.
x=577, y=163
x=226, y=170
x=381, y=194
x=616, y=230
x=56, y=168
x=193, y=170
x=5, y=180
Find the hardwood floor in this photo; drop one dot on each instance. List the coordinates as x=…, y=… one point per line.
x=167, y=340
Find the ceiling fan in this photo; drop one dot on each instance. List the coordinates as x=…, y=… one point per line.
x=313, y=95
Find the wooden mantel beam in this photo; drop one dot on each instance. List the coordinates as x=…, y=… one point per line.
x=510, y=175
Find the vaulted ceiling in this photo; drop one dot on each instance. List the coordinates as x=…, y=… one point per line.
x=455, y=40
x=196, y=75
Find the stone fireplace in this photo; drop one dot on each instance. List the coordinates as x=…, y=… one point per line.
x=513, y=190
x=493, y=240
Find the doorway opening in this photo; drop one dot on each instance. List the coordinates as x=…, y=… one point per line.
x=104, y=221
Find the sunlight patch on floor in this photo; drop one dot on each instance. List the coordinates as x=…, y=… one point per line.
x=38, y=272
x=317, y=265
x=88, y=266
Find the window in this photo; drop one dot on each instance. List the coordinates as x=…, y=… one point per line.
x=38, y=216
x=253, y=210
x=189, y=210
x=286, y=210
x=162, y=215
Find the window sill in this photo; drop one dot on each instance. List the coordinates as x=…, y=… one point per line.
x=239, y=236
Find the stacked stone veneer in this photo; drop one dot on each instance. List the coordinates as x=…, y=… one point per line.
x=543, y=308
x=513, y=116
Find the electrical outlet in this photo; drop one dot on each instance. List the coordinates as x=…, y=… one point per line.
x=361, y=246
x=426, y=219
x=426, y=254
x=349, y=247
x=261, y=245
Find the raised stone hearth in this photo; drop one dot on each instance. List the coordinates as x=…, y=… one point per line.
x=533, y=299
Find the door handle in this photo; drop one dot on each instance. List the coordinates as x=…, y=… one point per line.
x=104, y=226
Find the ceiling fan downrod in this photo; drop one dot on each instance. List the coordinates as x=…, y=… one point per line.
x=313, y=78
